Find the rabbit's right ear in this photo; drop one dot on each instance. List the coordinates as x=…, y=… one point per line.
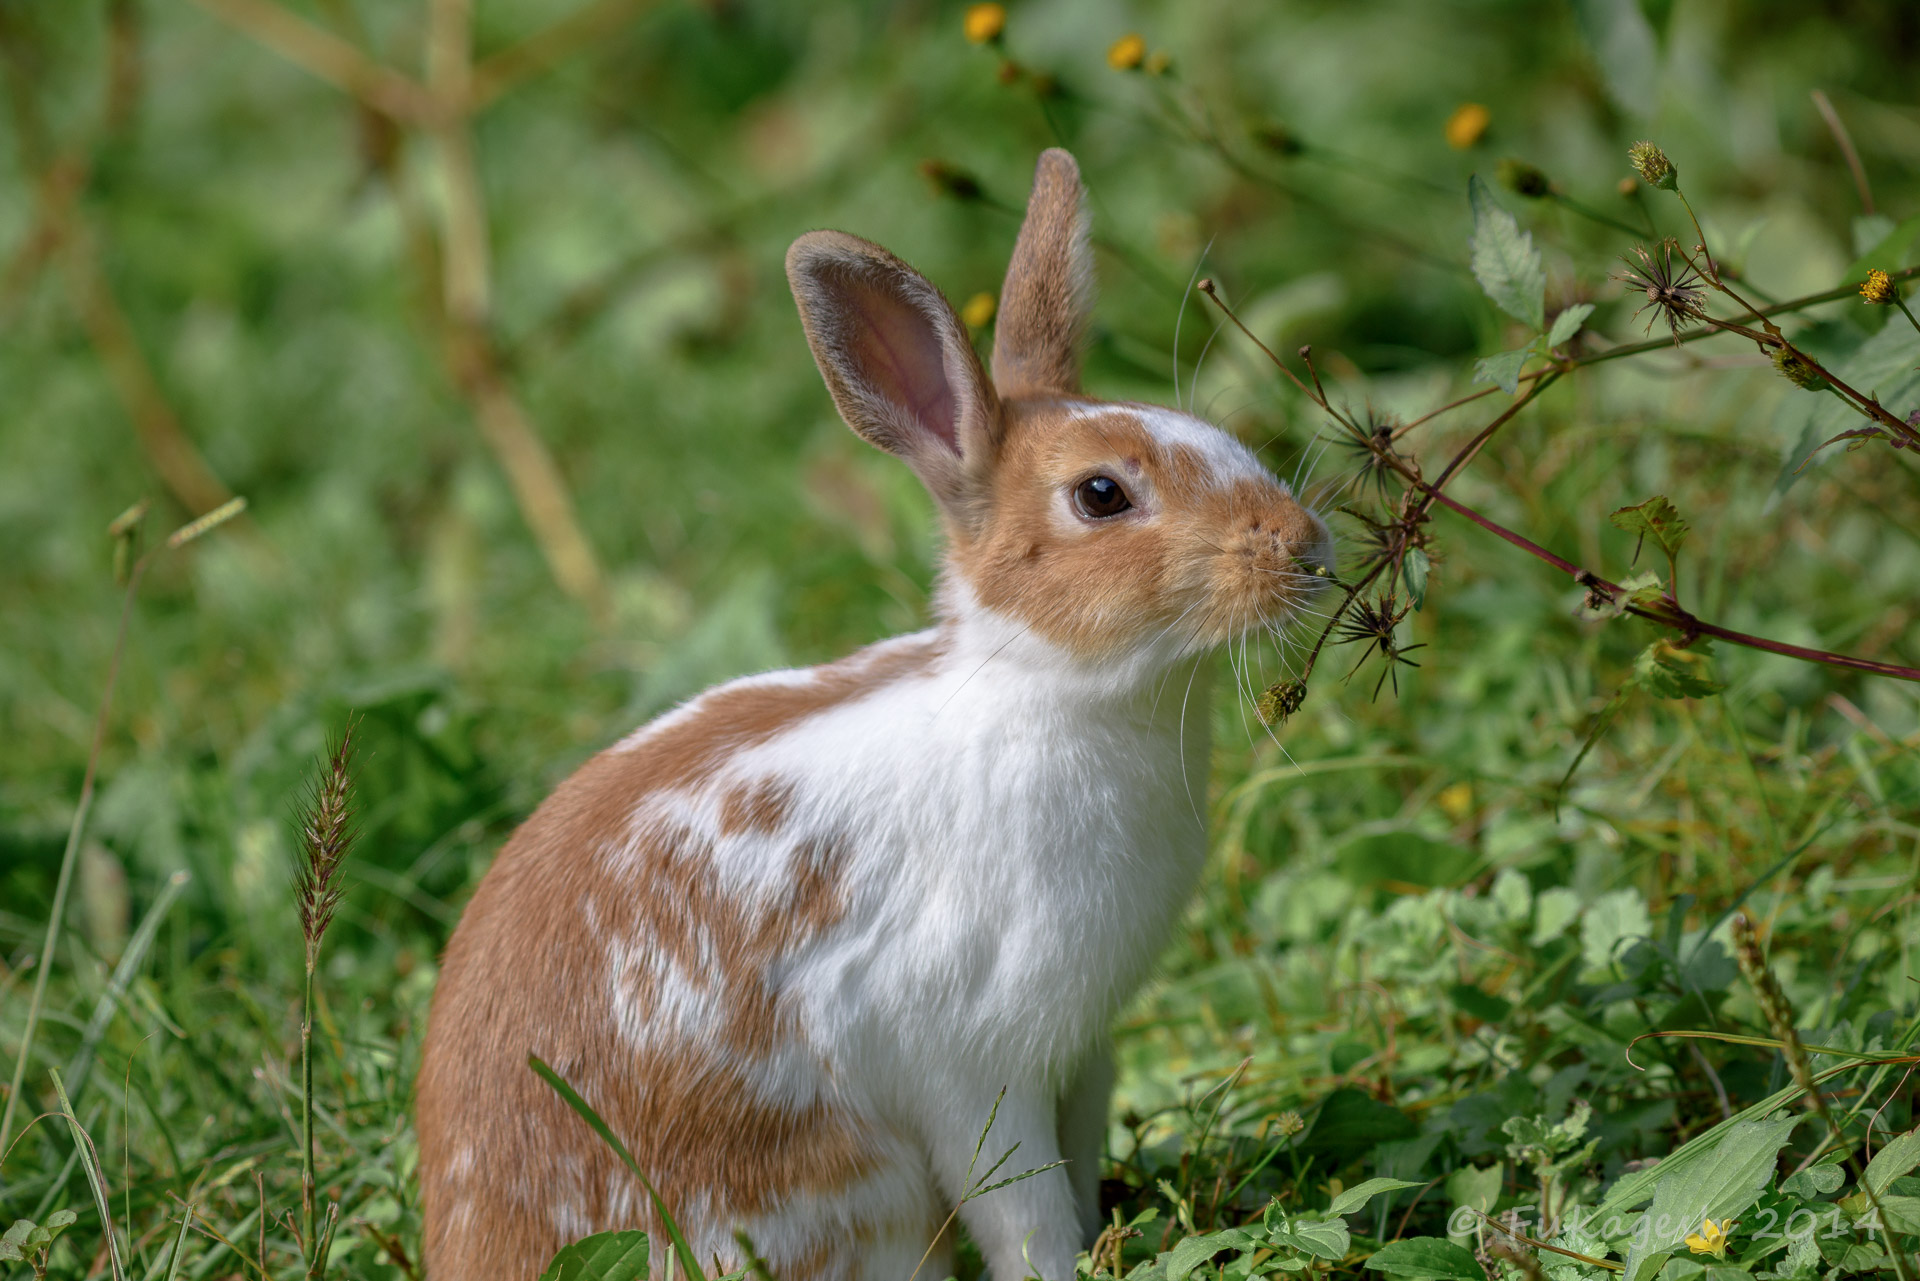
x=898, y=362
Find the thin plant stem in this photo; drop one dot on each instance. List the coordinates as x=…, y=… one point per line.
x=70, y=856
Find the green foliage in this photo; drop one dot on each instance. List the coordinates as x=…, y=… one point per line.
x=604, y=1256
x=1433, y=927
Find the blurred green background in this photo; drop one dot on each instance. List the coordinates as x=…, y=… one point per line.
x=201, y=237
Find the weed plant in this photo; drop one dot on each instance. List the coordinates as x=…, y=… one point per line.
x=1560, y=919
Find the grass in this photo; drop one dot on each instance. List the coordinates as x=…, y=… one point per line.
x=1435, y=921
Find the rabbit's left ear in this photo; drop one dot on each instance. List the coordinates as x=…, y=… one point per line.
x=1049, y=289
x=898, y=362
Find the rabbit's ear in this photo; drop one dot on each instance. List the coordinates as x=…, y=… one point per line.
x=897, y=360
x=1049, y=289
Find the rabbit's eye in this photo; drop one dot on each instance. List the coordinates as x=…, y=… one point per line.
x=1100, y=497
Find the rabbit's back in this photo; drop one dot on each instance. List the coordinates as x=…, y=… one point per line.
x=643, y=933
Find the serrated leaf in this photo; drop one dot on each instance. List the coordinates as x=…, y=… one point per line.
x=1324, y=1239
x=604, y=1256
x=1720, y=1188
x=1568, y=322
x=1667, y=671
x=1657, y=519
x=1361, y=1193
x=1890, y=1162
x=1504, y=260
x=1502, y=370
x=1427, y=1259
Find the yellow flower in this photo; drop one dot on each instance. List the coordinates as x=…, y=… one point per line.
x=1127, y=53
x=985, y=22
x=1711, y=1239
x=1878, y=289
x=978, y=311
x=1467, y=125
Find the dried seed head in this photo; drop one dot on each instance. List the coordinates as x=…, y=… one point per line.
x=327, y=833
x=1373, y=623
x=1127, y=53
x=1652, y=165
x=1524, y=179
x=1797, y=370
x=1279, y=701
x=1676, y=294
x=985, y=23
x=1878, y=289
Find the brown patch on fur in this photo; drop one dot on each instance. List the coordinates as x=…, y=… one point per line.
x=529, y=970
x=1213, y=556
x=759, y=808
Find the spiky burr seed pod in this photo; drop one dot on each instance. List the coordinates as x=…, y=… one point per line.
x=1797, y=370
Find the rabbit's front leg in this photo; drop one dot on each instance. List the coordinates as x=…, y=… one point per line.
x=1083, y=1132
x=1027, y=1229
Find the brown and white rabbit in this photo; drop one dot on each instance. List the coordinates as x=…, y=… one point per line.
x=793, y=938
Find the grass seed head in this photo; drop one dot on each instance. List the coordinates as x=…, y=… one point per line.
x=327, y=832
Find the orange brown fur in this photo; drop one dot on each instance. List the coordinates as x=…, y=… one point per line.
x=523, y=974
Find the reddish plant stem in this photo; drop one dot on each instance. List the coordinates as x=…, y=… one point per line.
x=1670, y=614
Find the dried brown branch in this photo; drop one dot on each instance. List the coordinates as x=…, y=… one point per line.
x=332, y=59
x=494, y=76
x=466, y=301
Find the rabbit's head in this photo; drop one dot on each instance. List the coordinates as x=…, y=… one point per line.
x=1110, y=529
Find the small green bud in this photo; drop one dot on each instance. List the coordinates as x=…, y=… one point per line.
x=1277, y=138
x=1652, y=165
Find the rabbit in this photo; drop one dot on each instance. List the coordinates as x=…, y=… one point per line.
x=793, y=939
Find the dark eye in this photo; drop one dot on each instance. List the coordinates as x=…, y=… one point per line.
x=1100, y=497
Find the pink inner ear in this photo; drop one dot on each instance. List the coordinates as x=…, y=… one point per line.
x=896, y=351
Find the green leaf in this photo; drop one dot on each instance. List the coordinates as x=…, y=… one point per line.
x=1352, y=1121
x=1890, y=254
x=1890, y=1162
x=1415, y=569
x=1406, y=857
x=1194, y=1251
x=1323, y=1239
x=1474, y=1003
x=1568, y=322
x=605, y=1256
x=1815, y=1181
x=1504, y=260
x=1361, y=1193
x=1477, y=1189
x=1657, y=519
x=1428, y=1259
x=60, y=1220
x=1719, y=1188
x=585, y=1112
x=1667, y=671
x=1503, y=369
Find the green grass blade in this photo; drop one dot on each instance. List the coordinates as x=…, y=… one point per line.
x=179, y=1245
x=95, y=1181
x=607, y=1136
x=80, y=1066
